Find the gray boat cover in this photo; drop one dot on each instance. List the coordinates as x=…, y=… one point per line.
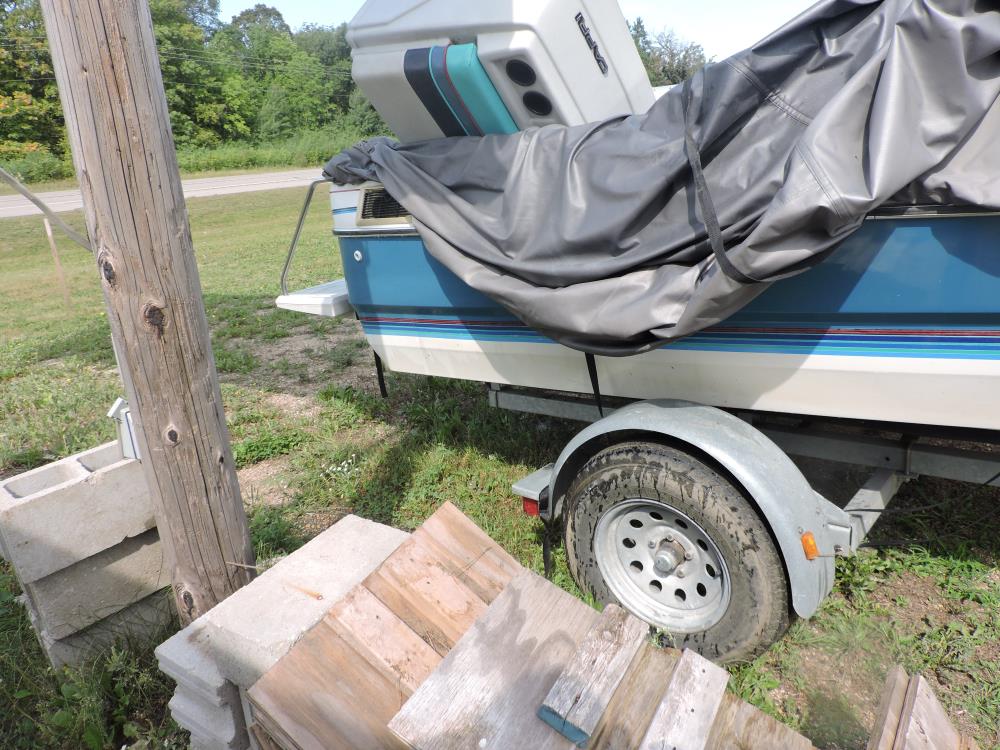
x=601, y=235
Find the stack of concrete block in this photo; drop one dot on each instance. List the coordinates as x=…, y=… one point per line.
x=80, y=536
x=225, y=651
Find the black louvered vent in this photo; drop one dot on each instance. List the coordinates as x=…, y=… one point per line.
x=378, y=204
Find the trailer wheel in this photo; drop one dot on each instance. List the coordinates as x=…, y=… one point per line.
x=680, y=547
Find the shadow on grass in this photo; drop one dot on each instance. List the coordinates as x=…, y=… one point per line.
x=441, y=414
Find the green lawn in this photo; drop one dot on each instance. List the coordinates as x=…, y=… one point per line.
x=313, y=441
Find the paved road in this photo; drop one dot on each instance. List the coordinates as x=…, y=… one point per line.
x=70, y=200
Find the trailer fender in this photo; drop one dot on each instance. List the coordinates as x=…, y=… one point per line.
x=787, y=503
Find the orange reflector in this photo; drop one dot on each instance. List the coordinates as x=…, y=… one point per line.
x=809, y=546
x=530, y=506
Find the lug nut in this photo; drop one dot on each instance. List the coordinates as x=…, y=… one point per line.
x=652, y=544
x=669, y=537
x=689, y=555
x=679, y=573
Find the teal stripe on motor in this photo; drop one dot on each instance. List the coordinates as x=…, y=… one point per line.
x=477, y=90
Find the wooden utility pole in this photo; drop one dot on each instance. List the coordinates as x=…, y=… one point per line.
x=106, y=65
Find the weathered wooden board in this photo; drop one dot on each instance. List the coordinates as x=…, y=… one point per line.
x=685, y=717
x=415, y=584
x=377, y=634
x=889, y=710
x=485, y=692
x=324, y=695
x=347, y=677
x=627, y=716
x=263, y=738
x=479, y=562
x=740, y=726
x=577, y=701
x=924, y=724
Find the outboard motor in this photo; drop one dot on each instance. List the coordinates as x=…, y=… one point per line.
x=436, y=68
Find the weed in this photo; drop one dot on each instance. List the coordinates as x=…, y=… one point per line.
x=236, y=360
x=273, y=532
x=269, y=443
x=345, y=354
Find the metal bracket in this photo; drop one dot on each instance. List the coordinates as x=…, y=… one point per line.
x=120, y=413
x=866, y=507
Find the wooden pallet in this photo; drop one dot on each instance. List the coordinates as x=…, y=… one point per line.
x=339, y=686
x=452, y=645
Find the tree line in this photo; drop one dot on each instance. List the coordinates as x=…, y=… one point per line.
x=251, y=79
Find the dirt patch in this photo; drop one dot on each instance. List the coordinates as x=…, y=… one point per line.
x=835, y=680
x=264, y=483
x=306, y=361
x=838, y=696
x=299, y=406
x=315, y=522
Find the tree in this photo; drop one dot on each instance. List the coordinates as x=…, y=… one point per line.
x=667, y=58
x=261, y=16
x=328, y=45
x=193, y=81
x=30, y=114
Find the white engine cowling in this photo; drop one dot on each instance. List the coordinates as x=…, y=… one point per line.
x=459, y=67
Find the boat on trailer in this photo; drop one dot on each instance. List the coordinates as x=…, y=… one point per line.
x=853, y=338
x=678, y=499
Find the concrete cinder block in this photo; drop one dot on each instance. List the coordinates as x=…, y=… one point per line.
x=76, y=597
x=248, y=632
x=69, y=510
x=222, y=725
x=242, y=637
x=146, y=621
x=192, y=668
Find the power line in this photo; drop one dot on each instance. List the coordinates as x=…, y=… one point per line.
x=210, y=58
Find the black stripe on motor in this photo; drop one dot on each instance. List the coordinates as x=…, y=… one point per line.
x=416, y=67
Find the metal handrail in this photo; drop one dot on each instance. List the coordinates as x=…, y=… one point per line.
x=298, y=232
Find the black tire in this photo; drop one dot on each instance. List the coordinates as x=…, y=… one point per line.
x=758, y=612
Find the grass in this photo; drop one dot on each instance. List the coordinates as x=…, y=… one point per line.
x=314, y=441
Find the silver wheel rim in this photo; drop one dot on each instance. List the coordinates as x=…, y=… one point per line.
x=662, y=566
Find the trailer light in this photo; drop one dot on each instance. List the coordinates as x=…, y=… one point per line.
x=809, y=546
x=530, y=506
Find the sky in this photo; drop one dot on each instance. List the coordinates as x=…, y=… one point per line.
x=722, y=27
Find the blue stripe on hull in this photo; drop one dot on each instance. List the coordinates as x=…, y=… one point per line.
x=897, y=288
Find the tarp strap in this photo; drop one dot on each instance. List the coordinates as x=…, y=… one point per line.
x=594, y=382
x=380, y=374
x=708, y=214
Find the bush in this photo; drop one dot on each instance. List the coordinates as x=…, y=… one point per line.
x=30, y=162
x=311, y=148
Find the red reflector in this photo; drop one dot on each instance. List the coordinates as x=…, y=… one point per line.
x=530, y=506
